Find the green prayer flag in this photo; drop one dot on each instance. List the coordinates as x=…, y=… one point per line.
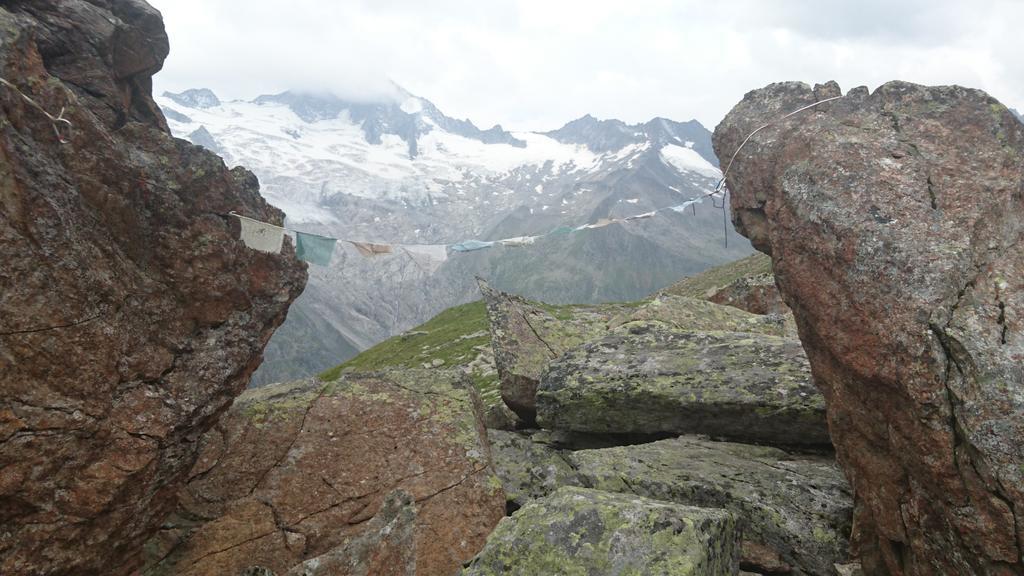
x=561, y=231
x=314, y=249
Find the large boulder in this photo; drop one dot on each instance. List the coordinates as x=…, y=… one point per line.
x=794, y=511
x=652, y=378
x=580, y=531
x=293, y=472
x=895, y=221
x=130, y=313
x=526, y=336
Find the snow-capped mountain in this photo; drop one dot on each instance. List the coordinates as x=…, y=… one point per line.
x=402, y=171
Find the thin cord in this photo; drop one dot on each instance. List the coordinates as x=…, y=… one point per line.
x=762, y=127
x=56, y=121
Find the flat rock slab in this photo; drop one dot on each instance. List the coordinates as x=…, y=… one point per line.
x=793, y=511
x=295, y=471
x=652, y=378
x=576, y=531
x=696, y=315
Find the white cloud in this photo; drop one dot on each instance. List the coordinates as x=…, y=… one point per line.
x=535, y=64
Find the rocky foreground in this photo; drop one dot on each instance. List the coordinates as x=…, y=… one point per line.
x=130, y=314
x=700, y=455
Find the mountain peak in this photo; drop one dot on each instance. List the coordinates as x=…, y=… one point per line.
x=201, y=98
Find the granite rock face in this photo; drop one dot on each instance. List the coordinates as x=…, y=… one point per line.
x=651, y=378
x=291, y=475
x=580, y=531
x=130, y=313
x=794, y=511
x=895, y=222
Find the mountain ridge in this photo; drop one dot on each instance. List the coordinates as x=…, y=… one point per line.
x=403, y=172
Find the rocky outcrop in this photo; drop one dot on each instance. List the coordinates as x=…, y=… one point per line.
x=894, y=221
x=580, y=531
x=652, y=378
x=130, y=314
x=292, y=473
x=527, y=336
x=794, y=512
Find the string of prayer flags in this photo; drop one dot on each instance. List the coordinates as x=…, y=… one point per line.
x=261, y=236
x=369, y=249
x=684, y=205
x=313, y=248
x=471, y=245
x=428, y=257
x=318, y=249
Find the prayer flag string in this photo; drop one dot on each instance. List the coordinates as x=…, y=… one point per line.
x=316, y=249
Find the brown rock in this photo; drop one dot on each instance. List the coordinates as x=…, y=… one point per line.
x=757, y=295
x=293, y=473
x=895, y=222
x=130, y=314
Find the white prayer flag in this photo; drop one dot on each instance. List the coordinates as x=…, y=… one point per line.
x=261, y=236
x=517, y=241
x=428, y=257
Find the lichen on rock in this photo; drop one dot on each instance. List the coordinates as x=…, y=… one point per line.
x=652, y=378
x=577, y=531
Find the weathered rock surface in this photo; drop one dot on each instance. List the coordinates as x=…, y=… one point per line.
x=651, y=378
x=293, y=472
x=130, y=314
x=793, y=511
x=528, y=469
x=527, y=336
x=697, y=315
x=895, y=222
x=756, y=294
x=580, y=531
x=385, y=547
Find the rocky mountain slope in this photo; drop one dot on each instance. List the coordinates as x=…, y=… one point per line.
x=130, y=313
x=894, y=221
x=401, y=171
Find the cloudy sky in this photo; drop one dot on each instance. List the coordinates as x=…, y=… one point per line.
x=535, y=64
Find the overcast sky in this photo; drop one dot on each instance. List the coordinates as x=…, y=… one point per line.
x=535, y=64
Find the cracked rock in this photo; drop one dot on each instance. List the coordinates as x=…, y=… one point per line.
x=318, y=460
x=895, y=222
